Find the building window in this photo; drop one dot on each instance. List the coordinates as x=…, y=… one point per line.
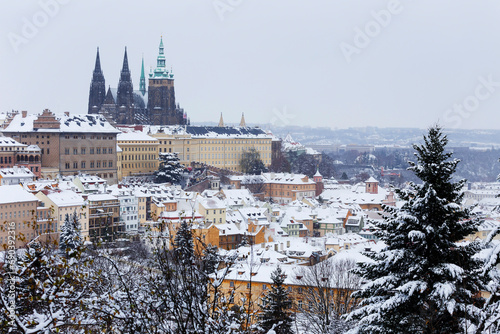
x=91, y=164
x=110, y=150
x=98, y=150
x=75, y=151
x=75, y=165
x=98, y=164
x=83, y=164
x=66, y=165
x=66, y=151
x=104, y=164
x=104, y=150
x=91, y=150
x=83, y=150
x=110, y=164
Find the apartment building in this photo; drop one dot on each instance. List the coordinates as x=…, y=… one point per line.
x=18, y=216
x=65, y=202
x=13, y=153
x=104, y=218
x=69, y=144
x=220, y=146
x=139, y=154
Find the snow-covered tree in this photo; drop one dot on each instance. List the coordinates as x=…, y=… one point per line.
x=70, y=237
x=251, y=163
x=183, y=242
x=277, y=306
x=490, y=317
x=50, y=291
x=425, y=280
x=490, y=273
x=170, y=169
x=327, y=296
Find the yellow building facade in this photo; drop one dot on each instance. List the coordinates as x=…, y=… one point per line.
x=138, y=156
x=220, y=146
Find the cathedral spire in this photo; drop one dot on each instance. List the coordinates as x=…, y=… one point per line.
x=125, y=62
x=124, y=96
x=97, y=68
x=242, y=122
x=221, y=121
x=97, y=87
x=142, y=83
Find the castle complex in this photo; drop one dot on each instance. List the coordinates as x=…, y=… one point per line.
x=124, y=105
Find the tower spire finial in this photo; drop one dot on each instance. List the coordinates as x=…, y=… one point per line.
x=97, y=67
x=142, y=81
x=242, y=122
x=221, y=121
x=125, y=61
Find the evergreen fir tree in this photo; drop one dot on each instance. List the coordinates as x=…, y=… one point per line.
x=424, y=281
x=170, y=169
x=276, y=307
x=70, y=237
x=183, y=243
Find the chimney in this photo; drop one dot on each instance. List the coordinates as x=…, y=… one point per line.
x=24, y=113
x=66, y=113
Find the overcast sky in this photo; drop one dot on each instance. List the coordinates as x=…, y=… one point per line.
x=287, y=62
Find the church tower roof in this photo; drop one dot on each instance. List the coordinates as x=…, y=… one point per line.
x=125, y=69
x=160, y=72
x=242, y=122
x=142, y=82
x=97, y=87
x=109, y=97
x=124, y=96
x=221, y=121
x=97, y=68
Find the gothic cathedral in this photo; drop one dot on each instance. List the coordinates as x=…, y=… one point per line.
x=155, y=106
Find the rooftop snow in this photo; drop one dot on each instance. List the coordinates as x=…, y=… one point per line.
x=127, y=136
x=15, y=194
x=75, y=123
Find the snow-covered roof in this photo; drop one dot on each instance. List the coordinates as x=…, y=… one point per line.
x=101, y=197
x=15, y=194
x=211, y=203
x=135, y=136
x=371, y=180
x=209, y=132
x=287, y=178
x=65, y=198
x=76, y=123
x=16, y=171
x=9, y=142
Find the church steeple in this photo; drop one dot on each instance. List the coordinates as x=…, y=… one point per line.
x=142, y=82
x=97, y=87
x=124, y=96
x=160, y=72
x=221, y=121
x=242, y=122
